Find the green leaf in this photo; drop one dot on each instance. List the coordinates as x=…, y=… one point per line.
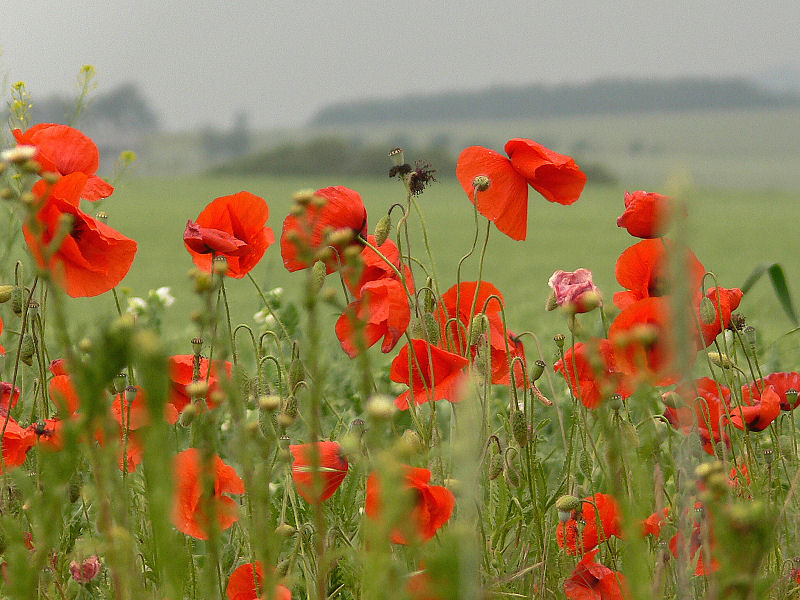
x=778, y=279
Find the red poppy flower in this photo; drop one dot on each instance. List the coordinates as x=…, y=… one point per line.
x=643, y=343
x=63, y=149
x=432, y=504
x=9, y=396
x=704, y=411
x=304, y=235
x=646, y=214
x=61, y=390
x=505, y=202
x=501, y=373
x=644, y=269
x=435, y=374
x=574, y=290
x=48, y=434
x=781, y=383
x=382, y=311
x=93, y=257
x=652, y=524
x=756, y=413
x=332, y=469
x=242, y=584
x=374, y=268
x=2, y=350
x=16, y=442
x=181, y=372
x=192, y=494
x=594, y=531
x=234, y=227
x=593, y=581
x=725, y=301
x=591, y=373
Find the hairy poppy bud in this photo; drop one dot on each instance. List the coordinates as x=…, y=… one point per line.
x=289, y=413
x=708, y=314
x=495, y=466
x=6, y=291
x=382, y=230
x=477, y=328
x=197, y=389
x=269, y=403
x=586, y=464
x=16, y=300
x=188, y=414
x=318, y=273
x=429, y=298
x=552, y=302
x=672, y=399
x=26, y=350
x=285, y=530
x=430, y=328
x=412, y=442
x=303, y=197
x=721, y=360
x=481, y=183
x=568, y=504
x=519, y=428
x=296, y=373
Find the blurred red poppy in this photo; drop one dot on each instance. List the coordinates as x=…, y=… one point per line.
x=198, y=491
x=705, y=407
x=9, y=396
x=646, y=214
x=600, y=515
x=652, y=524
x=781, y=383
x=333, y=209
x=181, y=374
x=234, y=227
x=63, y=149
x=381, y=311
x=332, y=469
x=432, y=504
x=696, y=550
x=61, y=390
x=644, y=269
x=242, y=584
x=435, y=374
x=593, y=581
x=16, y=442
x=2, y=350
x=755, y=414
x=591, y=372
x=724, y=301
x=92, y=258
x=505, y=202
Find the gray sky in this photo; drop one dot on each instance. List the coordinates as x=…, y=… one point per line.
x=282, y=61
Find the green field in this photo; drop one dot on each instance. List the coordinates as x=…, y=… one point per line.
x=729, y=232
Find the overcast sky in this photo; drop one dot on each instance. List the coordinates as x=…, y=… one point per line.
x=282, y=61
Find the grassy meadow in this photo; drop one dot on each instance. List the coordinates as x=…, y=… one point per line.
x=731, y=232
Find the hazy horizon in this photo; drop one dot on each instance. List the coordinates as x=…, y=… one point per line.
x=282, y=63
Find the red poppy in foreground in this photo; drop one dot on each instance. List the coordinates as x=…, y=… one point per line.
x=333, y=210
x=243, y=580
x=432, y=504
x=332, y=469
x=93, y=257
x=16, y=443
x=646, y=214
x=9, y=396
x=555, y=176
x=591, y=372
x=601, y=518
x=435, y=374
x=63, y=149
x=786, y=385
x=724, y=301
x=756, y=414
x=593, y=581
x=381, y=311
x=181, y=373
x=234, y=227
x=192, y=497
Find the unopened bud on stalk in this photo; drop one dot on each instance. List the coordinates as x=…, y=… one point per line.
x=430, y=328
x=495, y=466
x=721, y=360
x=50, y=177
x=341, y=237
x=477, y=329
x=519, y=428
x=318, y=273
x=303, y=197
x=481, y=183
x=28, y=199
x=565, y=505
x=27, y=348
x=6, y=193
x=16, y=300
x=85, y=345
x=538, y=369
x=382, y=230
x=708, y=314
x=285, y=530
x=380, y=407
x=559, y=340
x=31, y=166
x=296, y=373
x=429, y=298
x=397, y=156
x=288, y=415
x=6, y=291
x=269, y=403
x=672, y=399
x=188, y=414
x=197, y=389
x=552, y=302
x=412, y=442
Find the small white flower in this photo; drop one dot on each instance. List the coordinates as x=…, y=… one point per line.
x=136, y=305
x=19, y=154
x=164, y=296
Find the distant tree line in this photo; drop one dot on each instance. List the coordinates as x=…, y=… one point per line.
x=606, y=96
x=340, y=156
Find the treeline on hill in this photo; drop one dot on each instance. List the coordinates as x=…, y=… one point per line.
x=339, y=156
x=605, y=96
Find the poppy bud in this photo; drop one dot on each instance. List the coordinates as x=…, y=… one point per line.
x=6, y=291
x=85, y=345
x=282, y=568
x=6, y=193
x=28, y=199
x=16, y=300
x=477, y=328
x=511, y=472
x=397, y=157
x=519, y=428
x=559, y=340
x=481, y=183
x=269, y=403
x=538, y=369
x=382, y=230
x=431, y=328
x=411, y=442
x=495, y=466
x=380, y=407
x=303, y=197
x=285, y=530
x=318, y=273
x=429, y=298
x=197, y=389
x=721, y=360
x=567, y=504
x=289, y=413
x=188, y=414
x=672, y=399
x=26, y=350
x=296, y=373
x=552, y=302
x=708, y=314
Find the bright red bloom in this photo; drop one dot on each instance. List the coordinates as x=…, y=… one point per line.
x=63, y=149
x=136, y=413
x=646, y=214
x=644, y=269
x=234, y=227
x=93, y=257
x=48, y=434
x=781, y=383
x=62, y=391
x=374, y=268
x=332, y=469
x=704, y=411
x=383, y=310
x=574, y=290
x=652, y=524
x=242, y=584
x=181, y=371
x=9, y=396
x=594, y=531
x=435, y=374
x=16, y=442
x=756, y=413
x=306, y=234
x=505, y=202
x=192, y=497
x=591, y=372
x=432, y=504
x=643, y=342
x=593, y=581
x=726, y=303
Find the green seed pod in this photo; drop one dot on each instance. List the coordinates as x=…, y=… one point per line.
x=519, y=428
x=27, y=350
x=382, y=230
x=188, y=414
x=495, y=466
x=481, y=183
x=16, y=300
x=559, y=340
x=538, y=369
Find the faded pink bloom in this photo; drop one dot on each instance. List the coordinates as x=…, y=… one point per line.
x=574, y=291
x=85, y=571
